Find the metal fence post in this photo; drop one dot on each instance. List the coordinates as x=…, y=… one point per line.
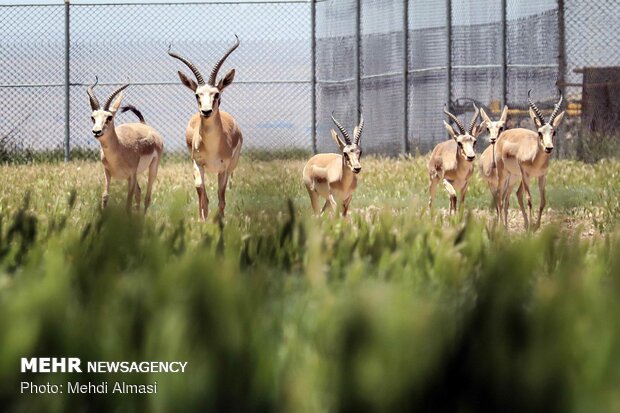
x=504, y=55
x=406, y=75
x=313, y=72
x=67, y=80
x=358, y=73
x=449, y=54
x=561, y=57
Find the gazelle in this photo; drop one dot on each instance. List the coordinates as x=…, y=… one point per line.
x=488, y=162
x=126, y=150
x=333, y=176
x=213, y=136
x=525, y=153
x=451, y=161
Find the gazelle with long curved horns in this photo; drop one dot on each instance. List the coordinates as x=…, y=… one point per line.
x=488, y=159
x=126, y=150
x=526, y=153
x=213, y=137
x=333, y=176
x=451, y=161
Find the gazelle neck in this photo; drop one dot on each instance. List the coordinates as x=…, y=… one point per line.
x=211, y=126
x=210, y=133
x=109, y=140
x=347, y=174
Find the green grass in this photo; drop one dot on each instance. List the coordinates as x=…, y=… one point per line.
x=392, y=309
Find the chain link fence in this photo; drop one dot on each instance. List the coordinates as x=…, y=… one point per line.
x=401, y=61
x=397, y=61
x=270, y=97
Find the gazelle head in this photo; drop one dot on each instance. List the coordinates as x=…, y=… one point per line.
x=546, y=130
x=494, y=128
x=466, y=139
x=351, y=151
x=103, y=117
x=209, y=94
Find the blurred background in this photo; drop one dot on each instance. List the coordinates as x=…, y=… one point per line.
x=397, y=61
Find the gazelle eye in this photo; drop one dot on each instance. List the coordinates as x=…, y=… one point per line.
x=217, y=96
x=109, y=119
x=92, y=118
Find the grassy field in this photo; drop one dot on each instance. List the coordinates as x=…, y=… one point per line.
x=392, y=309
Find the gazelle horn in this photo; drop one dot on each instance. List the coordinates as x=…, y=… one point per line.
x=535, y=108
x=189, y=64
x=474, y=120
x=556, y=110
x=456, y=120
x=108, y=102
x=94, y=103
x=220, y=62
x=344, y=132
x=358, y=131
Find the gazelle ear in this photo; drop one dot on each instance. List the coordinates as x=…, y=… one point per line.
x=227, y=80
x=535, y=119
x=558, y=120
x=450, y=130
x=187, y=81
x=504, y=114
x=478, y=129
x=339, y=141
x=484, y=116
x=117, y=103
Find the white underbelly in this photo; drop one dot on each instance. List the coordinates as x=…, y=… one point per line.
x=213, y=165
x=145, y=161
x=324, y=191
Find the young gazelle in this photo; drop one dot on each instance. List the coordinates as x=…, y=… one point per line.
x=333, y=176
x=525, y=153
x=212, y=136
x=488, y=161
x=126, y=150
x=451, y=161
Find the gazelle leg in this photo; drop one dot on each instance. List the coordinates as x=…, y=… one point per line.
x=345, y=206
x=502, y=178
x=222, y=181
x=314, y=200
x=493, y=190
x=137, y=195
x=522, y=205
x=506, y=201
x=543, y=199
x=333, y=203
x=106, y=188
x=432, y=187
x=131, y=187
x=203, y=200
x=325, y=206
x=463, y=193
x=448, y=185
x=525, y=180
x=149, y=186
